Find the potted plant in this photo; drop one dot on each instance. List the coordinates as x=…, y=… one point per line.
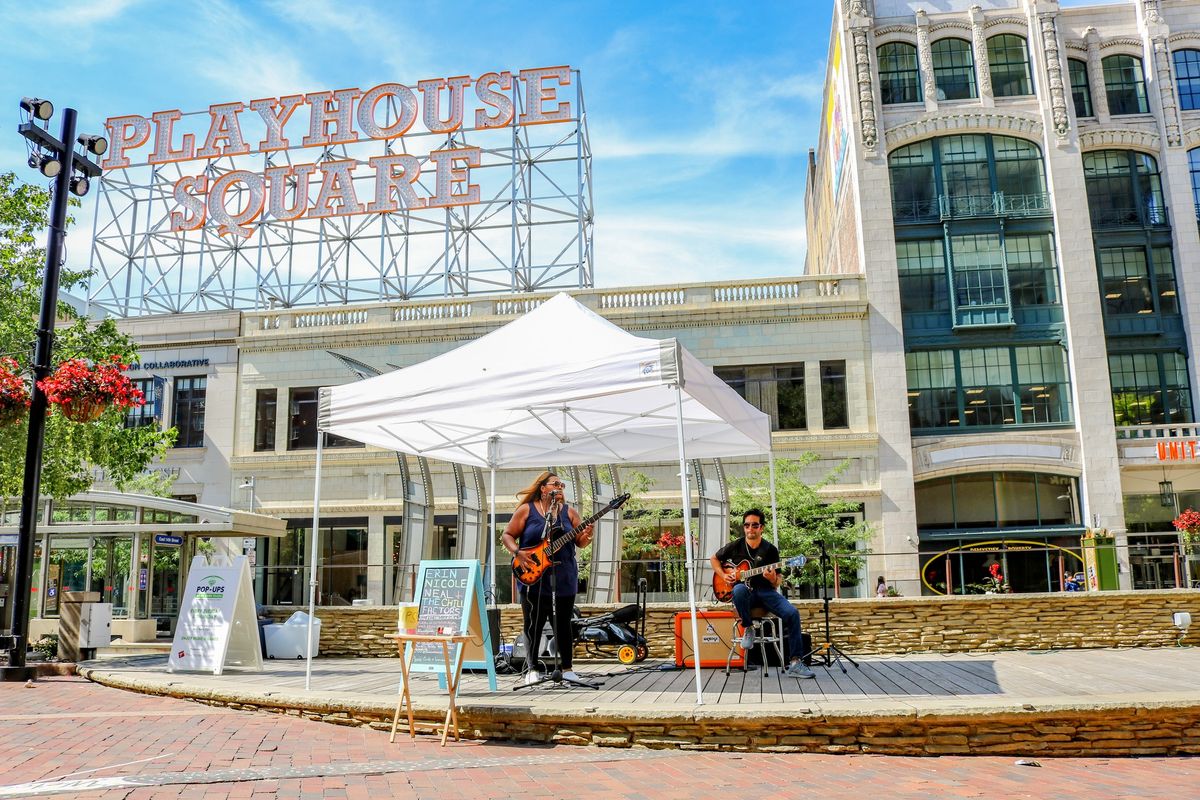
x=1188, y=525
x=14, y=393
x=82, y=393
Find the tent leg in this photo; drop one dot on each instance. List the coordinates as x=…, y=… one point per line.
x=774, y=510
x=687, y=541
x=312, y=561
x=492, y=537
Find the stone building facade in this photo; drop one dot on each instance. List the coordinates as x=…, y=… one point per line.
x=1018, y=183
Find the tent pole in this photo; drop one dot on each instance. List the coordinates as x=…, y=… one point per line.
x=312, y=561
x=687, y=540
x=492, y=537
x=774, y=510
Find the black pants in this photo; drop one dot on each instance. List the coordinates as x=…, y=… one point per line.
x=536, y=610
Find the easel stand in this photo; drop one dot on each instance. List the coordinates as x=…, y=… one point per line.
x=554, y=676
x=826, y=652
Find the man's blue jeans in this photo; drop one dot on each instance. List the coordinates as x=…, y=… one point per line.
x=745, y=599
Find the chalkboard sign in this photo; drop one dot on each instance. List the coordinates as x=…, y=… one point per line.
x=450, y=599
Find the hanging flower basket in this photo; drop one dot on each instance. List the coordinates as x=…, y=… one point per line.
x=82, y=393
x=1188, y=524
x=14, y=393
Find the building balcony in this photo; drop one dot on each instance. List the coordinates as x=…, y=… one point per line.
x=1158, y=444
x=950, y=207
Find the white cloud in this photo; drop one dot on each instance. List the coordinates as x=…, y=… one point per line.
x=81, y=13
x=244, y=58
x=687, y=247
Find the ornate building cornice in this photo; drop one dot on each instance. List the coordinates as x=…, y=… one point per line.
x=1121, y=43
x=950, y=23
x=1018, y=21
x=888, y=30
x=1007, y=123
x=1133, y=138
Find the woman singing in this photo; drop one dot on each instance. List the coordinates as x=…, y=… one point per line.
x=557, y=587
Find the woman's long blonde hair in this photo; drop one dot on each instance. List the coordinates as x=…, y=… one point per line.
x=534, y=490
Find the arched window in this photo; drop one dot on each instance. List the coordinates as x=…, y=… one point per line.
x=1124, y=189
x=967, y=175
x=1125, y=85
x=1081, y=89
x=1187, y=75
x=899, y=74
x=953, y=69
x=1008, y=59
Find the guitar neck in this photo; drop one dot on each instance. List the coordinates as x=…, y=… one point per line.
x=750, y=573
x=555, y=544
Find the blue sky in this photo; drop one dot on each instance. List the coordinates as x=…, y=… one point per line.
x=701, y=113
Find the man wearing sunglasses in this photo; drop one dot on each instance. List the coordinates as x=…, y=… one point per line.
x=760, y=591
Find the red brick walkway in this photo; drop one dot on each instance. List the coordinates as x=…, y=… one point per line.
x=88, y=741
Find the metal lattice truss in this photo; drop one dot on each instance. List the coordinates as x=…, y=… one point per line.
x=531, y=230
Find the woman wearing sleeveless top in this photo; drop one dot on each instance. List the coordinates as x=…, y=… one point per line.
x=558, y=585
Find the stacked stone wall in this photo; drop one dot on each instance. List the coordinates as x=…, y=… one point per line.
x=975, y=623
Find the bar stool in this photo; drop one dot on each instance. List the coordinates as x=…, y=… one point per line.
x=768, y=630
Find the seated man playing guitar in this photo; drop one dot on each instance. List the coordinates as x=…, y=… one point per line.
x=761, y=589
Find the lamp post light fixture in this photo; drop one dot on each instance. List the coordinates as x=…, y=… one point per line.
x=54, y=158
x=248, y=483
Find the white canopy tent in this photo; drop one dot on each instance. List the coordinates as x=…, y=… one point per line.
x=559, y=386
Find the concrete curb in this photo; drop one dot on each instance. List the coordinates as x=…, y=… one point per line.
x=1053, y=726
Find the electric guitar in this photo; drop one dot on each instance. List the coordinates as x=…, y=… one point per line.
x=542, y=552
x=723, y=590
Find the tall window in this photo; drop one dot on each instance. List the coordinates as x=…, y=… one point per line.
x=777, y=391
x=188, y=414
x=922, y=267
x=265, y=402
x=833, y=395
x=1032, y=273
x=1081, y=89
x=1125, y=85
x=899, y=74
x=953, y=69
x=302, y=422
x=1124, y=189
x=1150, y=388
x=1008, y=60
x=988, y=387
x=147, y=414
x=1187, y=77
x=979, y=278
x=914, y=183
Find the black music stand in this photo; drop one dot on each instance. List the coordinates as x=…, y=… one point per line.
x=826, y=652
x=554, y=676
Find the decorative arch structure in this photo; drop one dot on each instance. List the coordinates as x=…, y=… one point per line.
x=1003, y=123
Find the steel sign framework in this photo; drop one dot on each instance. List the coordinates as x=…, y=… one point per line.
x=530, y=231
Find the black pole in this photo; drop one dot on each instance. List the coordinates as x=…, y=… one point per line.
x=27, y=530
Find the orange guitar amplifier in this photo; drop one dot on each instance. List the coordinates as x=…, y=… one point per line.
x=715, y=630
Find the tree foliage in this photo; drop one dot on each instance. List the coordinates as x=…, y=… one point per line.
x=806, y=518
x=72, y=450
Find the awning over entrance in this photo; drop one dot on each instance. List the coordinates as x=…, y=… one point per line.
x=98, y=512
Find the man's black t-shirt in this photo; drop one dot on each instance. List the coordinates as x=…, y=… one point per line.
x=738, y=551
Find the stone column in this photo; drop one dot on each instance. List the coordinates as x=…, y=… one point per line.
x=925, y=60
x=376, y=557
x=983, y=71
x=1054, y=85
x=1096, y=77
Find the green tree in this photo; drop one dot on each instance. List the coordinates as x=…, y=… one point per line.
x=72, y=450
x=806, y=518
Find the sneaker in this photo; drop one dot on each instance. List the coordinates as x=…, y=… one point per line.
x=796, y=669
x=570, y=675
x=532, y=677
x=748, y=638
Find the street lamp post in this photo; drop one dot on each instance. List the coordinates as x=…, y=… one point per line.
x=54, y=158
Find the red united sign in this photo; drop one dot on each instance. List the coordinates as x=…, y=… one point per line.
x=234, y=199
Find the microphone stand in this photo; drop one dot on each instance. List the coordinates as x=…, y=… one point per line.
x=826, y=652
x=555, y=676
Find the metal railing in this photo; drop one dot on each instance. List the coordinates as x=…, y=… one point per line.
x=996, y=204
x=1148, y=216
x=1175, y=430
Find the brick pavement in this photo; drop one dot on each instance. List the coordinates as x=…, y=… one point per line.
x=91, y=742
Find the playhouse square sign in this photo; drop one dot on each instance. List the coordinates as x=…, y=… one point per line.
x=233, y=200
